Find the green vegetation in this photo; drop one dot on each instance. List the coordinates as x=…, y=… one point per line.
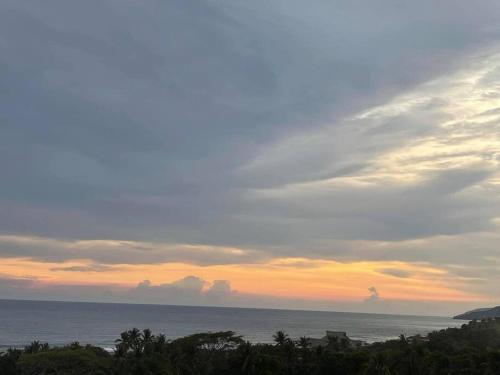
x=472, y=349
x=478, y=314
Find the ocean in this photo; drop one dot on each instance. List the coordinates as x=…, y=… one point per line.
x=100, y=324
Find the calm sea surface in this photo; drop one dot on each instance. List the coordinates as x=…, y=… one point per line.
x=100, y=324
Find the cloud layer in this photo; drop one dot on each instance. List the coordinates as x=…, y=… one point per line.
x=211, y=133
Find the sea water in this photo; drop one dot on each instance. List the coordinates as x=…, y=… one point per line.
x=60, y=323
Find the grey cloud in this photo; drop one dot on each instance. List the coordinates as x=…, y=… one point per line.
x=16, y=283
x=114, y=120
x=144, y=284
x=311, y=224
x=374, y=296
x=188, y=283
x=32, y=288
x=340, y=148
x=89, y=268
x=396, y=272
x=423, y=209
x=103, y=252
x=220, y=288
x=220, y=293
x=190, y=290
x=186, y=291
x=471, y=250
x=167, y=132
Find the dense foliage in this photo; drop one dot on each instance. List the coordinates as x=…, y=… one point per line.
x=472, y=349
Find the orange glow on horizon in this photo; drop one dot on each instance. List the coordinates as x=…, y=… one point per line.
x=288, y=278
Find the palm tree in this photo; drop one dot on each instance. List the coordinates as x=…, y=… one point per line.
x=147, y=341
x=123, y=344
x=378, y=366
x=280, y=338
x=159, y=343
x=248, y=366
x=304, y=343
x=135, y=341
x=34, y=347
x=255, y=361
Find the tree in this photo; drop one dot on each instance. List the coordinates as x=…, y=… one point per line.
x=280, y=338
x=35, y=347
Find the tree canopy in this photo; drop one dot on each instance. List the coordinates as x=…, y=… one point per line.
x=472, y=349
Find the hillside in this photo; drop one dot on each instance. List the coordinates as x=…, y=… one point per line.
x=478, y=314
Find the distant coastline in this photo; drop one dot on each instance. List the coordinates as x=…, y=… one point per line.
x=481, y=313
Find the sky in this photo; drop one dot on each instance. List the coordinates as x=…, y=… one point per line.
x=334, y=155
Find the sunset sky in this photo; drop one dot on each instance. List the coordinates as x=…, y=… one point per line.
x=334, y=155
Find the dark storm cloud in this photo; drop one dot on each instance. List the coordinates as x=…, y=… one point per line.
x=143, y=121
